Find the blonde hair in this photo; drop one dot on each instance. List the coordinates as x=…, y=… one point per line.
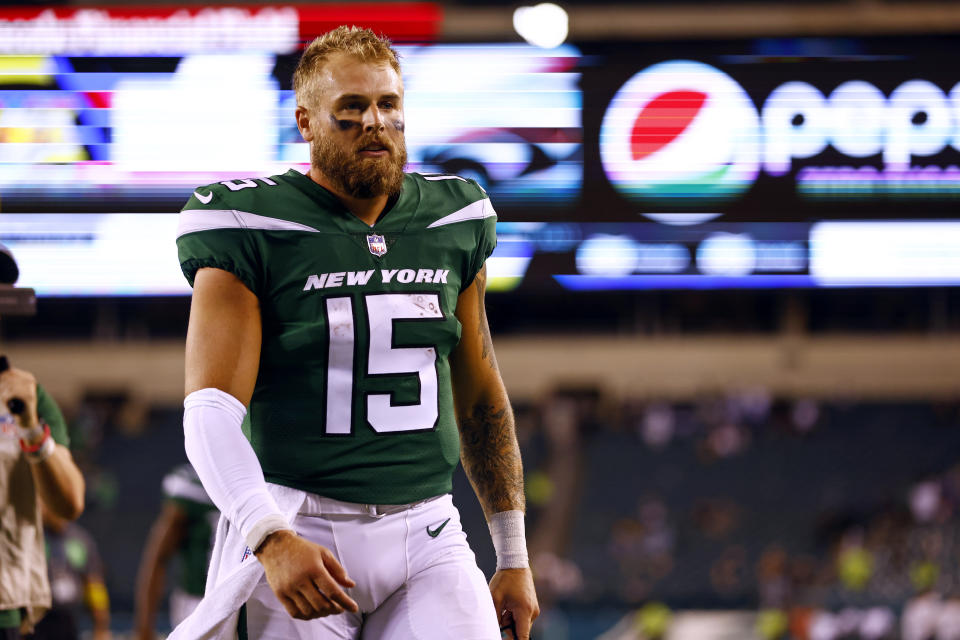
x=363, y=44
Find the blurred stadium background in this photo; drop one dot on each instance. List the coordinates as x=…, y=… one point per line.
x=725, y=297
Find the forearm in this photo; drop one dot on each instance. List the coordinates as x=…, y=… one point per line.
x=101, y=619
x=488, y=439
x=98, y=603
x=227, y=464
x=150, y=582
x=149, y=592
x=60, y=484
x=491, y=455
x=491, y=458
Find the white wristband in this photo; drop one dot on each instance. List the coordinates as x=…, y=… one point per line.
x=509, y=540
x=267, y=525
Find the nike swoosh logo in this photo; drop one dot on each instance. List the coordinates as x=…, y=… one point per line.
x=433, y=533
x=204, y=199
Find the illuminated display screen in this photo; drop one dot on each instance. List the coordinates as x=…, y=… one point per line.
x=611, y=166
x=773, y=131
x=93, y=255
x=170, y=30
x=139, y=134
x=590, y=134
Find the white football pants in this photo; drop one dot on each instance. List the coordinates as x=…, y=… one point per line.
x=410, y=585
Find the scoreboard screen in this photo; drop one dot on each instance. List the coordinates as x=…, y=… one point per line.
x=612, y=166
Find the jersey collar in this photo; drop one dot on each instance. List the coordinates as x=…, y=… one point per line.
x=394, y=218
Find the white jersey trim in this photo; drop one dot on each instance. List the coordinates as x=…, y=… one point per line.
x=442, y=177
x=192, y=220
x=473, y=211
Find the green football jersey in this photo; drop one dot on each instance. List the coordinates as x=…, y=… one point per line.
x=353, y=397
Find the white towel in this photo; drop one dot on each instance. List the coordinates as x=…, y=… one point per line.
x=233, y=574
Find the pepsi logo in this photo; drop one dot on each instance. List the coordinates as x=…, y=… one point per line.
x=663, y=120
x=681, y=133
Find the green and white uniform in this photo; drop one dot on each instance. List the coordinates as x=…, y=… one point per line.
x=353, y=401
x=353, y=398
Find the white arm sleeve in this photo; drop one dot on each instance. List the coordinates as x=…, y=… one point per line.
x=227, y=464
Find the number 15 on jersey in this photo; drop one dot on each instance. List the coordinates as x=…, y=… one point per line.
x=382, y=359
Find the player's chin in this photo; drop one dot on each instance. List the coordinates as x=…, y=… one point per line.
x=381, y=168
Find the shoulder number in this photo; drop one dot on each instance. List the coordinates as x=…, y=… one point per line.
x=237, y=185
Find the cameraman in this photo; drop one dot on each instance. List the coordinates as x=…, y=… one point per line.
x=34, y=462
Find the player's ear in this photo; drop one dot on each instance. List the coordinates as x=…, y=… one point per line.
x=303, y=123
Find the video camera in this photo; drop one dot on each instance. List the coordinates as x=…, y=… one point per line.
x=14, y=301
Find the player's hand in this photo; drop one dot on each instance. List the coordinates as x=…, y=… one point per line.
x=304, y=576
x=20, y=384
x=515, y=599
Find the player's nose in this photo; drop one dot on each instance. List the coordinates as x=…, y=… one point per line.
x=373, y=119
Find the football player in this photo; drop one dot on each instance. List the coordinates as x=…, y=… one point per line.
x=338, y=352
x=184, y=529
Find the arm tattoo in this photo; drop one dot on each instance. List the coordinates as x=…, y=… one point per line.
x=488, y=439
x=491, y=458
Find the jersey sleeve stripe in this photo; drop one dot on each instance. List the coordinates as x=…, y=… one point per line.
x=435, y=177
x=193, y=220
x=473, y=211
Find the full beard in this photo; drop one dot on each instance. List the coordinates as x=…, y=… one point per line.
x=357, y=176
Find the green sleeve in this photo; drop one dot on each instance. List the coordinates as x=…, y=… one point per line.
x=486, y=243
x=227, y=249
x=210, y=243
x=49, y=412
x=488, y=240
x=486, y=235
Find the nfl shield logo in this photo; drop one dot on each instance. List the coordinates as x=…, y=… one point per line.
x=377, y=244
